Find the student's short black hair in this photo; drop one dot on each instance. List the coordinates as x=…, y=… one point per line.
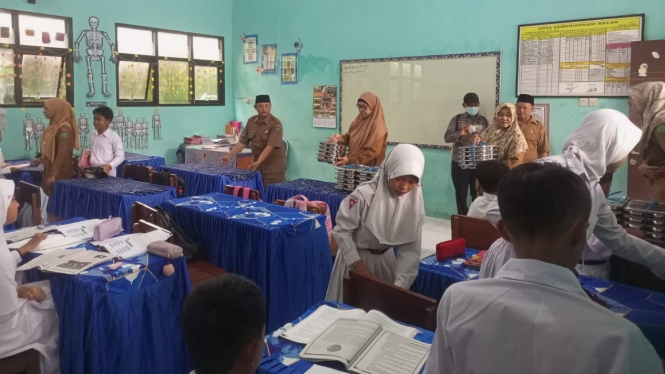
x=542, y=200
x=489, y=174
x=219, y=319
x=104, y=111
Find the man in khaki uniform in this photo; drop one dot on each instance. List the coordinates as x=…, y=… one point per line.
x=264, y=131
x=534, y=131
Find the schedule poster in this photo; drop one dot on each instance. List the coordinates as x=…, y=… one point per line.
x=577, y=58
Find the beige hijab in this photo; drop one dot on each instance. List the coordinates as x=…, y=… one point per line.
x=63, y=115
x=649, y=98
x=510, y=140
x=364, y=132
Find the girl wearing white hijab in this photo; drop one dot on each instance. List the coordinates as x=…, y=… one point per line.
x=27, y=313
x=381, y=214
x=601, y=144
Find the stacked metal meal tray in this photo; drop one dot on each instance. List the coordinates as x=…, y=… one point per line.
x=618, y=206
x=470, y=156
x=351, y=176
x=647, y=216
x=330, y=152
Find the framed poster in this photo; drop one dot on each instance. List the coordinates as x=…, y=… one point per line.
x=289, y=68
x=269, y=59
x=325, y=106
x=250, y=54
x=589, y=57
x=541, y=112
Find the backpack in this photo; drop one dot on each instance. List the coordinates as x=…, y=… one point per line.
x=190, y=249
x=300, y=202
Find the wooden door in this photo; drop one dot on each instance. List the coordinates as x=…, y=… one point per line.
x=647, y=65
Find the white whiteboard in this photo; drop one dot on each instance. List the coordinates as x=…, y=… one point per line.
x=420, y=94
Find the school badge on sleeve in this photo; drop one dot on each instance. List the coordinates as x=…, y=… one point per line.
x=352, y=202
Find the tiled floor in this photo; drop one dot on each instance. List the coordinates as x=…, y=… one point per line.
x=435, y=231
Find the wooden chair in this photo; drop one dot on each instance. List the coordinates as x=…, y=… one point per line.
x=154, y=178
x=334, y=247
x=230, y=190
x=139, y=173
x=31, y=194
x=310, y=208
x=402, y=305
x=480, y=234
x=26, y=362
x=143, y=212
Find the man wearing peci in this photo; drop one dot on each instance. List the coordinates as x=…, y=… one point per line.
x=534, y=131
x=265, y=133
x=460, y=131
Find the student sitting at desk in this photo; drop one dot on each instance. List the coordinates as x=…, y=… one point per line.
x=535, y=317
x=488, y=176
x=224, y=325
x=381, y=214
x=27, y=313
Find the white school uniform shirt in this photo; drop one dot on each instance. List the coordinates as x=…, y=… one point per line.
x=106, y=149
x=480, y=206
x=534, y=317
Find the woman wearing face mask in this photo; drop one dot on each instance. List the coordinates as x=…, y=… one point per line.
x=27, y=313
x=600, y=145
x=59, y=141
x=381, y=214
x=367, y=138
x=506, y=134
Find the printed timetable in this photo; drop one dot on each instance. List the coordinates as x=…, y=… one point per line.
x=577, y=58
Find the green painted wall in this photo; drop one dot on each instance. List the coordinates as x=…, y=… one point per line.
x=345, y=29
x=212, y=17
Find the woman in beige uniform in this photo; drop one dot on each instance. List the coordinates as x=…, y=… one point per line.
x=505, y=133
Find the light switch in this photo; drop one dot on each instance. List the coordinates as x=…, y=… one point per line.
x=584, y=102
x=593, y=101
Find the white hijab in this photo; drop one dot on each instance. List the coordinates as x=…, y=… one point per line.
x=604, y=137
x=8, y=297
x=395, y=220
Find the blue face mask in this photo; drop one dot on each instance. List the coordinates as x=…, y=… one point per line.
x=472, y=110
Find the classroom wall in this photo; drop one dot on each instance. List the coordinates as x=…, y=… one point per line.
x=212, y=17
x=346, y=29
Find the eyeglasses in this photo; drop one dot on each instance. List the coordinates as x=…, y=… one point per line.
x=362, y=107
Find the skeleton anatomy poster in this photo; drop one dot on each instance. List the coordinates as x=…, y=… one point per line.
x=94, y=40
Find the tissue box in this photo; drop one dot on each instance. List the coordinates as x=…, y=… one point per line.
x=450, y=249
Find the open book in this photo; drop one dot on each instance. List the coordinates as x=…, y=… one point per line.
x=312, y=326
x=131, y=245
x=367, y=347
x=83, y=230
x=67, y=261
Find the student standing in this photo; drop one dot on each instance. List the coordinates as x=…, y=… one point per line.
x=106, y=148
x=381, y=214
x=535, y=317
x=461, y=129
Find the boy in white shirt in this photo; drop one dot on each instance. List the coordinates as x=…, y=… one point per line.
x=488, y=176
x=534, y=317
x=105, y=145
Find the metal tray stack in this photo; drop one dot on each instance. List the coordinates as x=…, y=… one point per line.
x=351, y=176
x=618, y=206
x=647, y=216
x=471, y=155
x=330, y=152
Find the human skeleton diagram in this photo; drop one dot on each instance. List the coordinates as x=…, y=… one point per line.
x=83, y=131
x=95, y=42
x=129, y=132
x=28, y=130
x=144, y=134
x=120, y=125
x=156, y=126
x=39, y=133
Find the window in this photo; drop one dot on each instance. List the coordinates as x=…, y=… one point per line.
x=35, y=59
x=162, y=67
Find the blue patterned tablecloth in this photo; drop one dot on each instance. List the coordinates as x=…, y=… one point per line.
x=102, y=198
x=138, y=159
x=278, y=350
x=435, y=277
x=31, y=174
x=312, y=190
x=203, y=178
x=285, y=251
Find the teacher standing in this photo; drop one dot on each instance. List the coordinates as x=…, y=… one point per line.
x=367, y=138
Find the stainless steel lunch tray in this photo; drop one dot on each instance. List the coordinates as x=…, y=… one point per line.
x=654, y=235
x=633, y=218
x=637, y=226
x=654, y=229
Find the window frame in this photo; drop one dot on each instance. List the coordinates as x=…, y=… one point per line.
x=18, y=49
x=154, y=65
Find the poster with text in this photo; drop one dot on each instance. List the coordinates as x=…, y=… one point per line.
x=325, y=106
x=289, y=68
x=250, y=49
x=268, y=62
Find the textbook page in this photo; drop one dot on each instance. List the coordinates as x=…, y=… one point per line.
x=342, y=341
x=84, y=230
x=27, y=233
x=131, y=245
x=52, y=241
x=389, y=324
x=312, y=326
x=49, y=258
x=79, y=262
x=392, y=354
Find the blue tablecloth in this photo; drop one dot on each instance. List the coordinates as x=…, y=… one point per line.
x=138, y=159
x=204, y=178
x=272, y=363
x=311, y=189
x=33, y=175
x=435, y=277
x=101, y=198
x=285, y=251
